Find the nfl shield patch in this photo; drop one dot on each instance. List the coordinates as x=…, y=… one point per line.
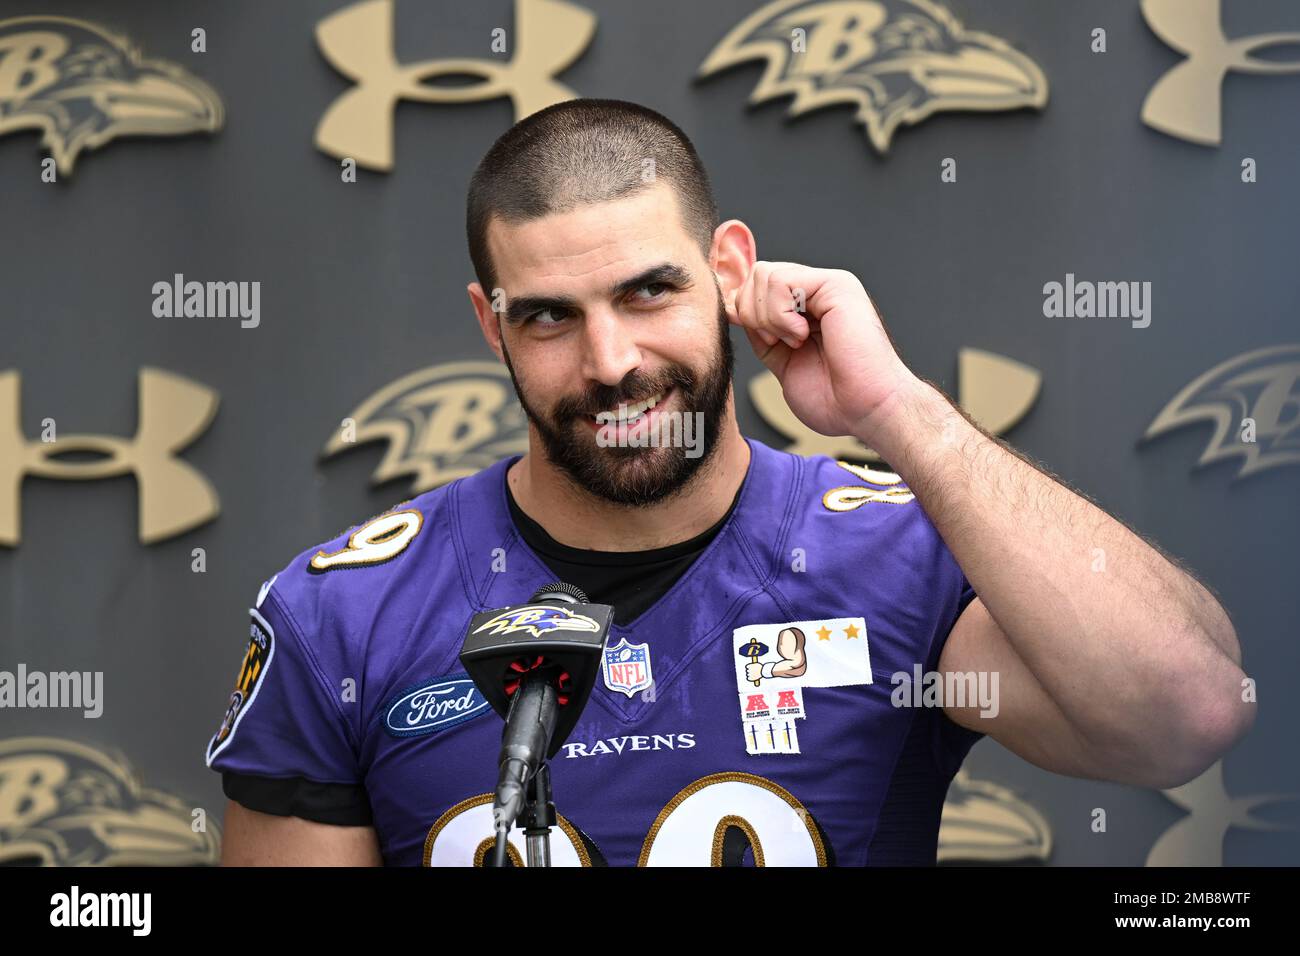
x=627, y=667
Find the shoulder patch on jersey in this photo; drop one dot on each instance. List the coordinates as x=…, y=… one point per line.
x=377, y=541
x=261, y=648
x=433, y=705
x=877, y=486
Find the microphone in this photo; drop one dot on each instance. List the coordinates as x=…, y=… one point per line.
x=529, y=729
x=536, y=664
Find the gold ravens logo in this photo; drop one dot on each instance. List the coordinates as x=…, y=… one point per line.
x=66, y=804
x=1254, y=405
x=899, y=61
x=988, y=823
x=83, y=86
x=441, y=423
x=538, y=620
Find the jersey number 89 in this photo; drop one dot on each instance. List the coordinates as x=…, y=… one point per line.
x=710, y=822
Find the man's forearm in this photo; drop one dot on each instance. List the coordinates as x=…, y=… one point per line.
x=1084, y=601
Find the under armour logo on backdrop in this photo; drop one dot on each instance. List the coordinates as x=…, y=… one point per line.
x=358, y=42
x=174, y=496
x=1187, y=101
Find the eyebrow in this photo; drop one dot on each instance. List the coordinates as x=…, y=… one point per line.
x=666, y=273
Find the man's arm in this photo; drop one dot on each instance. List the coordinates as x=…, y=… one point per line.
x=1112, y=662
x=261, y=839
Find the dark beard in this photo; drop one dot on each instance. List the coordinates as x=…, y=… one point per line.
x=636, y=476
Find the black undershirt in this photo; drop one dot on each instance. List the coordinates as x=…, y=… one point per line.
x=630, y=581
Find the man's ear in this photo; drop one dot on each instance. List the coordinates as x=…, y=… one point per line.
x=487, y=318
x=732, y=258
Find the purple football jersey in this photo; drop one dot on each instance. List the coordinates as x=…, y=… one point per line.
x=745, y=718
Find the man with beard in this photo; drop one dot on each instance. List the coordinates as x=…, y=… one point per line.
x=776, y=617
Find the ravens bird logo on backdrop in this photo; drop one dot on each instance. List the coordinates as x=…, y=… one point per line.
x=83, y=86
x=984, y=822
x=441, y=423
x=899, y=61
x=64, y=803
x=1254, y=404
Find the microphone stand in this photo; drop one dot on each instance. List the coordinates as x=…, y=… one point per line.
x=538, y=817
x=536, y=820
x=530, y=806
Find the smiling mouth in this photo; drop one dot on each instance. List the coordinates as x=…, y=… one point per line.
x=629, y=414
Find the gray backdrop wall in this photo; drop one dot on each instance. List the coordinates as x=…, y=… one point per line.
x=362, y=283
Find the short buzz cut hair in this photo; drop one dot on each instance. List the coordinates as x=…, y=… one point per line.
x=579, y=152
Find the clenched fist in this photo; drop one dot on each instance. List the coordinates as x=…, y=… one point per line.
x=817, y=330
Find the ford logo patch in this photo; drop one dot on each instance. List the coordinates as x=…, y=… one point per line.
x=434, y=705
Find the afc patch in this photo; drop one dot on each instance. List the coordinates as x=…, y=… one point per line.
x=775, y=662
x=261, y=648
x=434, y=705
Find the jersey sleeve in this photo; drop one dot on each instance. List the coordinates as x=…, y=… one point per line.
x=285, y=746
x=952, y=742
x=965, y=594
